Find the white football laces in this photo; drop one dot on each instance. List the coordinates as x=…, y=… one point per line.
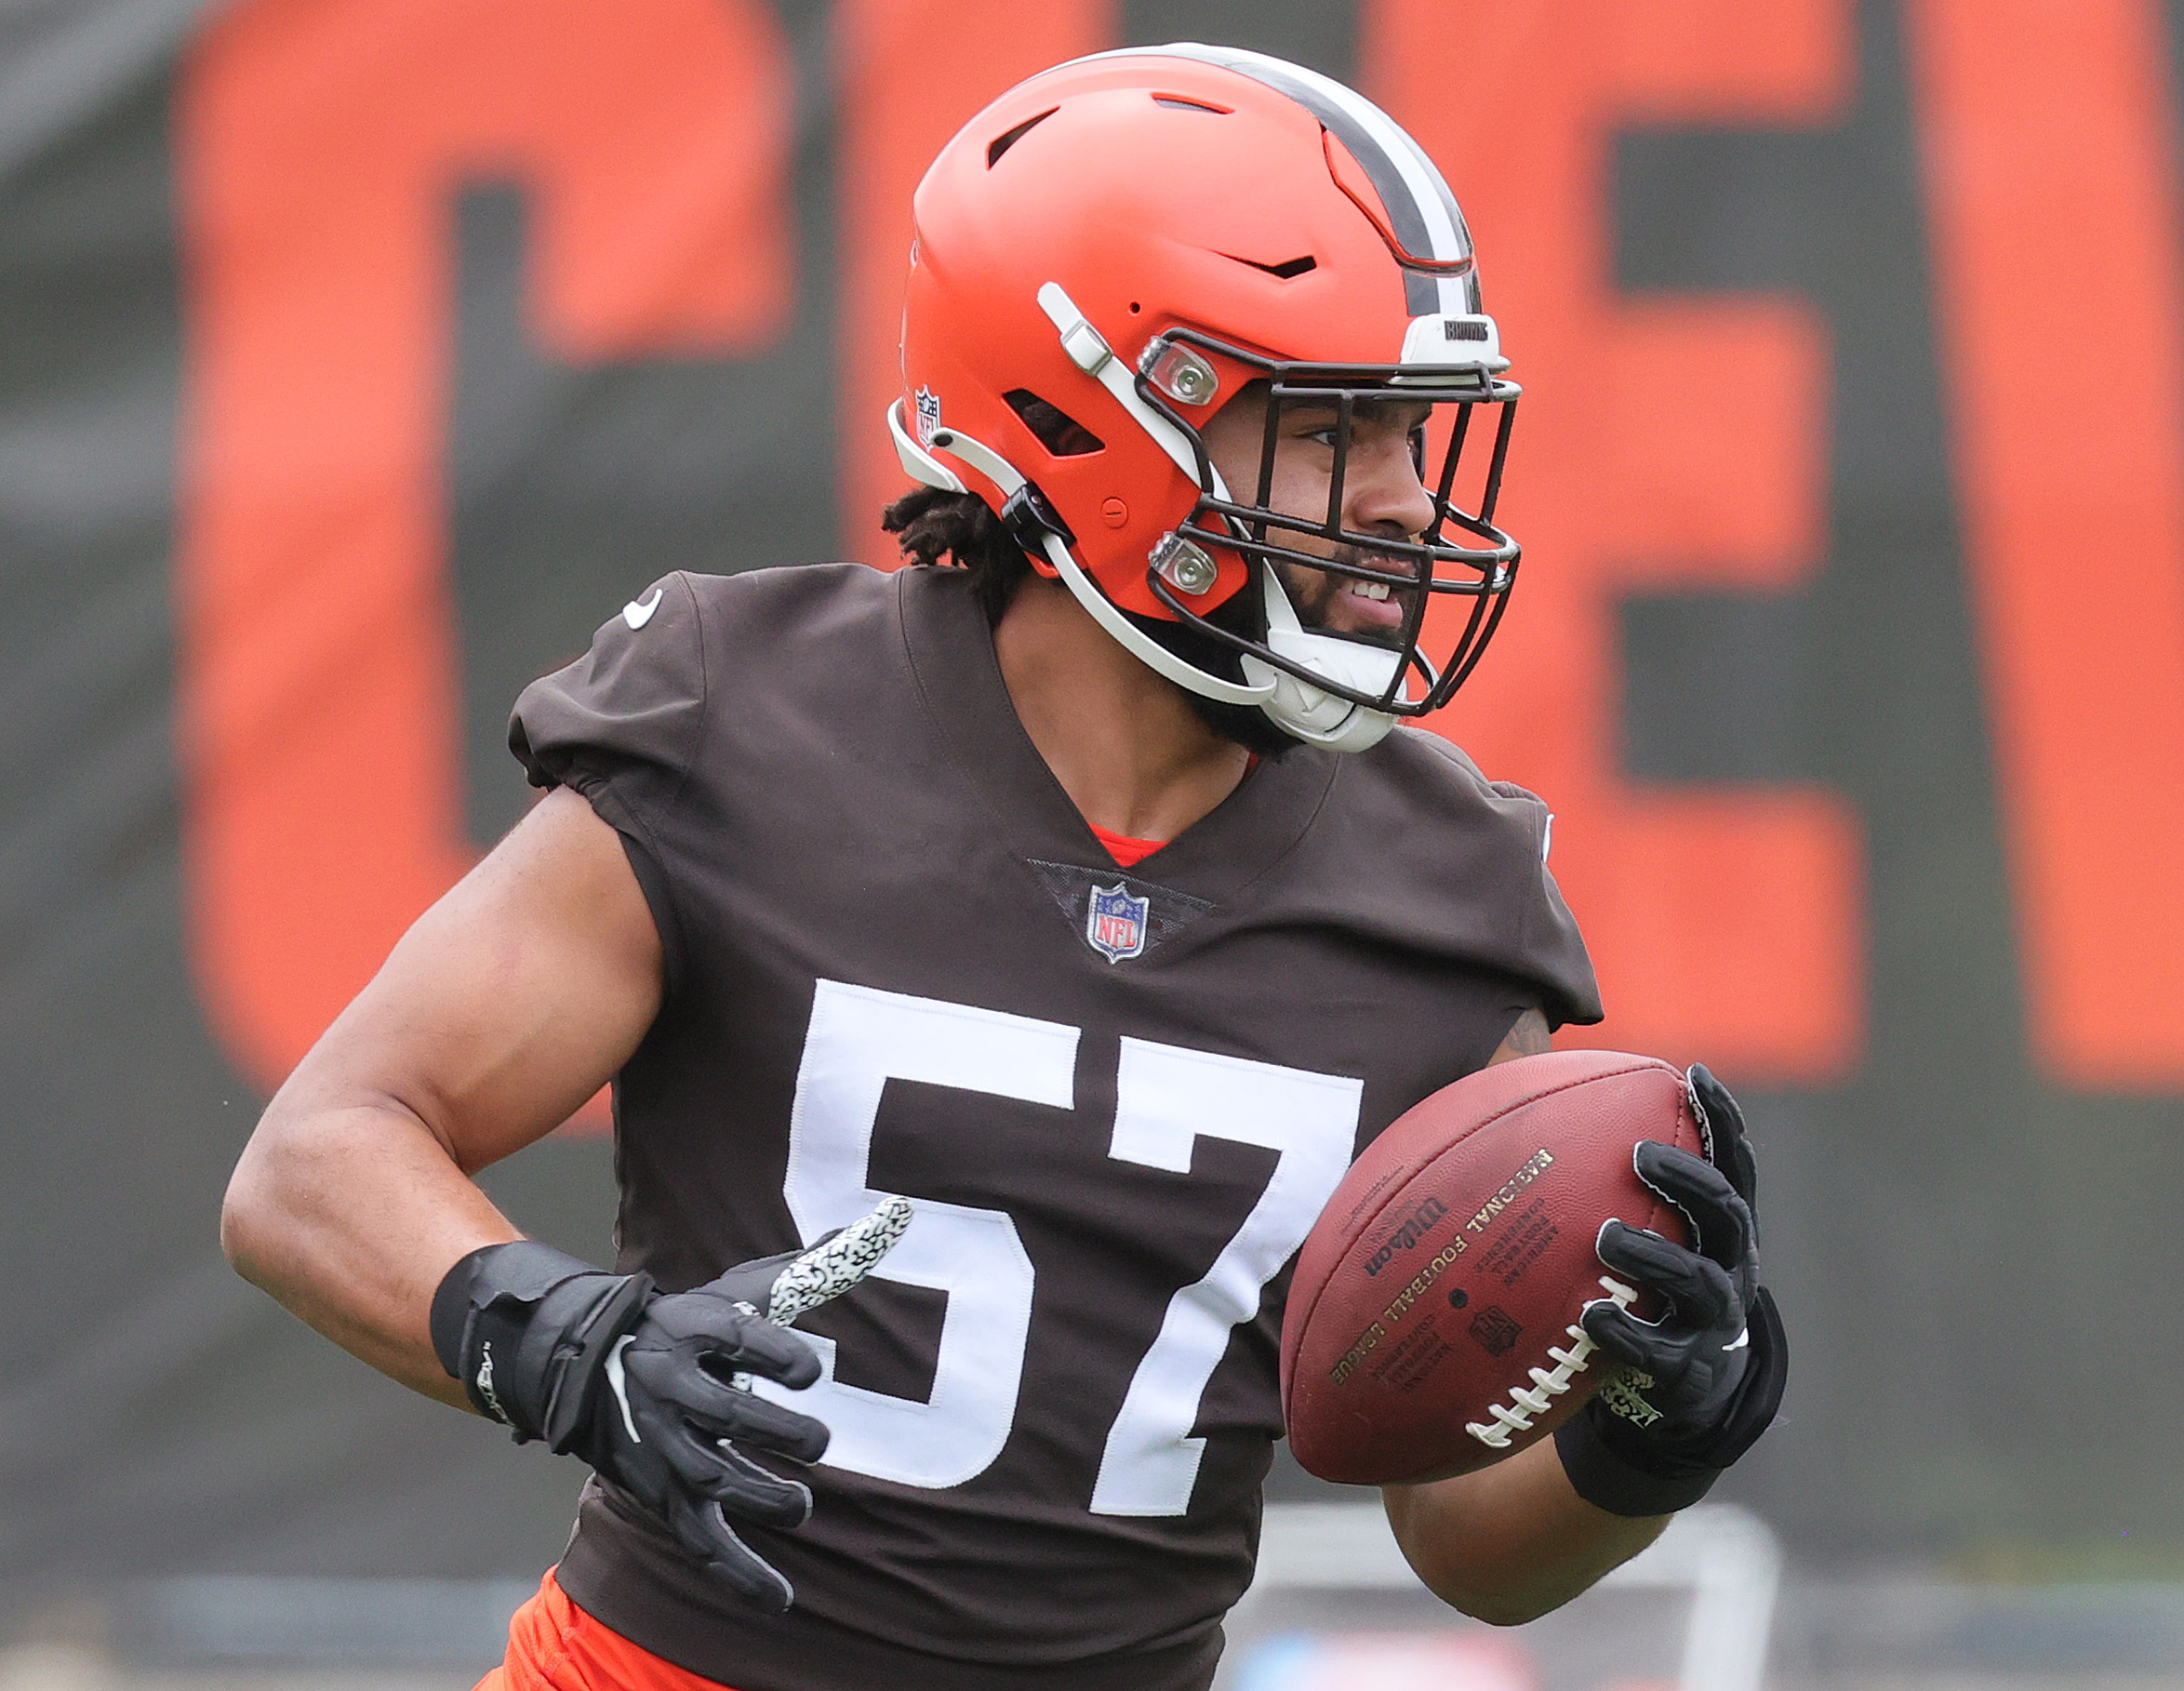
x=1526, y=1403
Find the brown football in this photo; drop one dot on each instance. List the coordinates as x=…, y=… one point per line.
x=1432, y=1321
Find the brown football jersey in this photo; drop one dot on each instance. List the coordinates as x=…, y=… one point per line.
x=898, y=960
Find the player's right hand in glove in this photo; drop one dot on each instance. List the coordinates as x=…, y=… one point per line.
x=1697, y=1387
x=652, y=1390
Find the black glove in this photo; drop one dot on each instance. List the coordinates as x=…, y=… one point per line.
x=1698, y=1387
x=652, y=1390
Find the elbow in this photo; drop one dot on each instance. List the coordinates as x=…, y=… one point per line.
x=1500, y=1608
x=1496, y=1603
x=1507, y=1587
x=1512, y=1589
x=249, y=1216
x=238, y=1228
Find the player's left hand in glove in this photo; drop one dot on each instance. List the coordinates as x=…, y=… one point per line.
x=652, y=1390
x=1700, y=1385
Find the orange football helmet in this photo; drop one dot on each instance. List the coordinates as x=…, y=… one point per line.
x=1113, y=249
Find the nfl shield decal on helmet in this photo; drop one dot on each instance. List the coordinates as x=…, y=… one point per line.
x=1115, y=923
x=928, y=416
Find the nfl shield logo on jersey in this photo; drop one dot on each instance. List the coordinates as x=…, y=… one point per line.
x=1115, y=923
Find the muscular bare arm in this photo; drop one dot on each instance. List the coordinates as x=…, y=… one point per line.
x=510, y=1002
x=1511, y=1542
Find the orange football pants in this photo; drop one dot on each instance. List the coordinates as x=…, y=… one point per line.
x=554, y=1646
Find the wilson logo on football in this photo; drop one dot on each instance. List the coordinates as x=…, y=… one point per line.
x=1415, y=1228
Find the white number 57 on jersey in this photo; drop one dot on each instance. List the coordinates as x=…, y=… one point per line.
x=1166, y=1096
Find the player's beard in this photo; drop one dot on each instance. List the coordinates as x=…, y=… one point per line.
x=1312, y=595
x=1241, y=725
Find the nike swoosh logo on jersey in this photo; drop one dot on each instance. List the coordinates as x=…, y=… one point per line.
x=638, y=613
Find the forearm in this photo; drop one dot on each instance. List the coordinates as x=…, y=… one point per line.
x=511, y=1001
x=1511, y=1542
x=350, y=1216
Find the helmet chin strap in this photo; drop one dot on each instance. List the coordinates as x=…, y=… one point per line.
x=1295, y=707
x=1088, y=351
x=1313, y=715
x=1005, y=476
x=917, y=463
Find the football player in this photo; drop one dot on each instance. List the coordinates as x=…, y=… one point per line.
x=1022, y=943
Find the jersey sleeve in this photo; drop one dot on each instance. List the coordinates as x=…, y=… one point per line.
x=625, y=726
x=628, y=715
x=1548, y=939
x=1473, y=882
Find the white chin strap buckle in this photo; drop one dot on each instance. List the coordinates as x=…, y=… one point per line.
x=1313, y=714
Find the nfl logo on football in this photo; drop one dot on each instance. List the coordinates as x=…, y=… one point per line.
x=1115, y=923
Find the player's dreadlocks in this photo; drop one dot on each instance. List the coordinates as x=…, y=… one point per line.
x=933, y=524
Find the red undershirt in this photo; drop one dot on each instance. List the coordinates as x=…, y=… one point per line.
x=1125, y=851
x=1129, y=853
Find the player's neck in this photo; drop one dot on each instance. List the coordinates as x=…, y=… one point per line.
x=1124, y=744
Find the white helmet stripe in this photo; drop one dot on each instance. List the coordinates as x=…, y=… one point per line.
x=1420, y=206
